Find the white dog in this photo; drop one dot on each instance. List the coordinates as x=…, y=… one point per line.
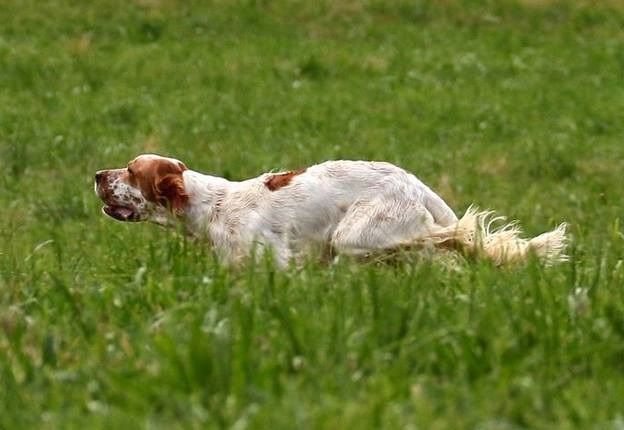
x=349, y=207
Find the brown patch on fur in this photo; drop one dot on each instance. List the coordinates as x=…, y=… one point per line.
x=170, y=191
x=160, y=181
x=278, y=180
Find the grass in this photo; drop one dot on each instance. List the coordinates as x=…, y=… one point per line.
x=511, y=106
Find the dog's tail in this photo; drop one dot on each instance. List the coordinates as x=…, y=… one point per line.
x=474, y=233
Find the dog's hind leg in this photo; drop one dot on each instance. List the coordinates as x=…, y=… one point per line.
x=386, y=225
x=382, y=224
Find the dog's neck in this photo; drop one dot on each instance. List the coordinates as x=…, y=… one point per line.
x=205, y=196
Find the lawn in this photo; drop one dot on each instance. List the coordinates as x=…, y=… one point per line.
x=513, y=106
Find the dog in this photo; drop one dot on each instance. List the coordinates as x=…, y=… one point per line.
x=343, y=207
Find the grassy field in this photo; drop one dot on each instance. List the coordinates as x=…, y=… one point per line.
x=514, y=106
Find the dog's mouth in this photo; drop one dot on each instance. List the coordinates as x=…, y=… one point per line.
x=121, y=213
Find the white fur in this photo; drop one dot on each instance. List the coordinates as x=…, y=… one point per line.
x=350, y=207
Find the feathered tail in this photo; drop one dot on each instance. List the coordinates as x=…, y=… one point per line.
x=474, y=232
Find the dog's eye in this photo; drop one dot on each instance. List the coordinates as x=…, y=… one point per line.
x=130, y=171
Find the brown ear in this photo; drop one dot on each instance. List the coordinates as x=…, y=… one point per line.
x=170, y=192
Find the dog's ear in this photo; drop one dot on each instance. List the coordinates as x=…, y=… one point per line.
x=170, y=192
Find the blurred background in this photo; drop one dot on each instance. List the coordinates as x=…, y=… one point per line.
x=491, y=102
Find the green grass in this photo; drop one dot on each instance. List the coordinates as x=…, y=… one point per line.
x=511, y=106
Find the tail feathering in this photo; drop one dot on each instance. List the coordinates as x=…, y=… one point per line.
x=475, y=232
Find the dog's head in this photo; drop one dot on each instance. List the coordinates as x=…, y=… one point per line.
x=150, y=188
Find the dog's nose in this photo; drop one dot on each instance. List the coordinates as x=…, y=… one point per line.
x=98, y=176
